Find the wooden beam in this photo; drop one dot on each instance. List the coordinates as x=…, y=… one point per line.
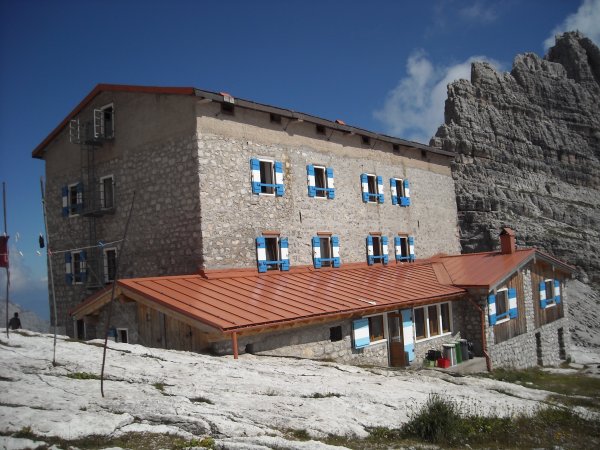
x=234, y=343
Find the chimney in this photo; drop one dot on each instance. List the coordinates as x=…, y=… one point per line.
x=508, y=241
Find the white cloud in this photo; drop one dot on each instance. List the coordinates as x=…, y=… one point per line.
x=478, y=12
x=414, y=109
x=586, y=20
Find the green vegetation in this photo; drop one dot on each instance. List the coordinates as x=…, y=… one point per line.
x=207, y=442
x=325, y=395
x=201, y=400
x=159, y=386
x=83, y=376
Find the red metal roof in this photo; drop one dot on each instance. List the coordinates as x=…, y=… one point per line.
x=488, y=269
x=248, y=300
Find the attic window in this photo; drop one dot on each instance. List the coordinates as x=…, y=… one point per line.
x=396, y=149
x=275, y=118
x=320, y=129
x=228, y=109
x=366, y=140
x=423, y=154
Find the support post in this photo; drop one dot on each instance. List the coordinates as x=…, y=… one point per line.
x=234, y=343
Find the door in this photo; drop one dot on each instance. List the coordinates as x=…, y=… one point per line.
x=395, y=341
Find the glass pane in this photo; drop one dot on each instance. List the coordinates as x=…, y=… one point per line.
x=434, y=326
x=325, y=250
x=445, y=307
x=549, y=290
x=419, y=323
x=501, y=302
x=266, y=177
x=376, y=328
x=320, y=181
x=272, y=250
x=372, y=185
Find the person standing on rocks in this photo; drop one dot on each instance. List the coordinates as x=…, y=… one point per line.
x=14, y=323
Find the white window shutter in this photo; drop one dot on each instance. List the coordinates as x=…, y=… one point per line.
x=335, y=250
x=285, y=258
x=385, y=249
x=261, y=254
x=393, y=191
x=512, y=303
x=330, y=183
x=379, y=188
x=370, y=254
x=316, y=247
x=255, y=168
x=279, y=189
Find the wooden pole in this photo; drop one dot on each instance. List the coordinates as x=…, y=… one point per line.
x=112, y=294
x=49, y=260
x=234, y=342
x=7, y=265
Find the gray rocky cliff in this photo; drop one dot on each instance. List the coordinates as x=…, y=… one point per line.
x=528, y=153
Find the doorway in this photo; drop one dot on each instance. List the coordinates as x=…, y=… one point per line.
x=395, y=341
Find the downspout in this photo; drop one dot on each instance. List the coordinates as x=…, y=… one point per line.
x=488, y=360
x=234, y=343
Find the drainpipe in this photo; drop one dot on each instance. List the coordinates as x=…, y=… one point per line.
x=488, y=360
x=234, y=343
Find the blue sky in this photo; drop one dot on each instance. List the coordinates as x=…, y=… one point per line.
x=380, y=65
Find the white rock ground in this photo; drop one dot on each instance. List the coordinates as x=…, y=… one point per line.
x=252, y=400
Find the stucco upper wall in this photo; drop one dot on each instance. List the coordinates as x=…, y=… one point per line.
x=232, y=217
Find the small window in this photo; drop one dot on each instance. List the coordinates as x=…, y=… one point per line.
x=320, y=181
x=335, y=334
x=502, y=304
x=326, y=251
x=78, y=267
x=275, y=118
x=372, y=188
x=377, y=249
x=122, y=335
x=227, y=109
x=75, y=199
x=366, y=140
x=107, y=192
x=376, y=330
x=320, y=129
x=104, y=122
x=424, y=154
x=402, y=248
x=432, y=321
x=396, y=149
x=400, y=191
x=267, y=176
x=110, y=264
x=549, y=292
x=272, y=253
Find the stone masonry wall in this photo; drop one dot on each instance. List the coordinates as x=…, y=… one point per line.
x=232, y=217
x=159, y=165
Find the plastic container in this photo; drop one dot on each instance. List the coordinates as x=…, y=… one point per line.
x=464, y=349
x=450, y=353
x=444, y=363
x=458, y=352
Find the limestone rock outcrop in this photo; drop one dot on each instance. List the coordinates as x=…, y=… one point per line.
x=528, y=153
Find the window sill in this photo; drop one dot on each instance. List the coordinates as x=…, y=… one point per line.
x=501, y=321
x=433, y=337
x=550, y=305
x=374, y=343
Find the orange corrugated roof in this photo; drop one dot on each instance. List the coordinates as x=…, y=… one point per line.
x=251, y=300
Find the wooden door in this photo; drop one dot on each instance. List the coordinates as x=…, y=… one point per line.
x=396, y=343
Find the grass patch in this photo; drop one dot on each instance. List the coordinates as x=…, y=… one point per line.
x=319, y=395
x=83, y=376
x=566, y=384
x=206, y=442
x=159, y=386
x=201, y=400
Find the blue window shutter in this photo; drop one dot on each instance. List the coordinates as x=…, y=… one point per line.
x=285, y=258
x=68, y=269
x=79, y=197
x=543, y=301
x=557, y=291
x=360, y=333
x=335, y=250
x=261, y=254
x=512, y=303
x=83, y=266
x=65, y=201
x=370, y=254
x=393, y=191
x=407, y=334
x=397, y=248
x=379, y=188
x=255, y=168
x=279, y=189
x=385, y=249
x=411, y=248
x=310, y=173
x=405, y=200
x=492, y=309
x=330, y=184
x=316, y=246
x=364, y=182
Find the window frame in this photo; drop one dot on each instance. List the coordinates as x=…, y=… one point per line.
x=118, y=336
x=321, y=192
x=426, y=321
x=105, y=267
x=74, y=208
x=263, y=184
x=384, y=329
x=505, y=316
x=103, y=192
x=404, y=248
x=552, y=302
x=102, y=132
x=81, y=266
x=372, y=195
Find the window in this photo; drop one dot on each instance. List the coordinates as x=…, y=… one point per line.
x=267, y=177
x=326, y=251
x=107, y=200
x=396, y=149
x=76, y=267
x=275, y=118
x=320, y=181
x=110, y=264
x=502, y=305
x=104, y=122
x=432, y=321
x=366, y=140
x=372, y=188
x=404, y=247
x=368, y=330
x=377, y=249
x=400, y=189
x=72, y=199
x=320, y=129
x=272, y=253
x=227, y=109
x=549, y=293
x=122, y=335
x=335, y=334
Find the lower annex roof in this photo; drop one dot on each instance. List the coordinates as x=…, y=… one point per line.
x=242, y=300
